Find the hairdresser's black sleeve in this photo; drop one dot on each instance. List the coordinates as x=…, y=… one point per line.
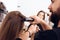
x=49, y=35
x=18, y=39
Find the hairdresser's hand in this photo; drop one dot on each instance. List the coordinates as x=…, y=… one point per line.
x=33, y=29
x=44, y=25
x=36, y=19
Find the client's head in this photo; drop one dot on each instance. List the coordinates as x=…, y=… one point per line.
x=12, y=25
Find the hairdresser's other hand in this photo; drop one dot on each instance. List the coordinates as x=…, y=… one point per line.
x=36, y=19
x=33, y=29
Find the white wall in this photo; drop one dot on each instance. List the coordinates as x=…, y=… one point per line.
x=27, y=7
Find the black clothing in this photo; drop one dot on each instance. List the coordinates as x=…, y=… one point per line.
x=48, y=35
x=18, y=39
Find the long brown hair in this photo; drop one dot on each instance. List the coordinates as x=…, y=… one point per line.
x=12, y=25
x=42, y=12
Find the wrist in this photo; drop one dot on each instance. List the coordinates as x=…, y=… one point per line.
x=29, y=33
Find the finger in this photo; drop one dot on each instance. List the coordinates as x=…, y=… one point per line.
x=33, y=16
x=37, y=28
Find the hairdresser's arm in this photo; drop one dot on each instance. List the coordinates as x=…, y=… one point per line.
x=44, y=25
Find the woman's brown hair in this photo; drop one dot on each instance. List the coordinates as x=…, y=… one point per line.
x=42, y=12
x=12, y=25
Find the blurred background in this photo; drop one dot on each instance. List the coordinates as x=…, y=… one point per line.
x=27, y=7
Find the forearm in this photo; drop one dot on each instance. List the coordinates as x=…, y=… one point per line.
x=45, y=26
